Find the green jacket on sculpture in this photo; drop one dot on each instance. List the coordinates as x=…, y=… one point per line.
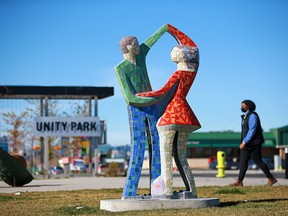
x=133, y=78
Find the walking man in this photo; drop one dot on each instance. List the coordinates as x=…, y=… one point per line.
x=251, y=143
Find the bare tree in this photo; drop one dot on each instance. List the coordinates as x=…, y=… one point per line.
x=17, y=133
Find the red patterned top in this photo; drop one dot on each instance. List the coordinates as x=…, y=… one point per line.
x=178, y=110
x=180, y=36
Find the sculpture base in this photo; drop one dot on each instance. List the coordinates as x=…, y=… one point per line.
x=118, y=205
x=175, y=195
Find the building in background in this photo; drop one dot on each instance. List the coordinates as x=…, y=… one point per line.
x=204, y=145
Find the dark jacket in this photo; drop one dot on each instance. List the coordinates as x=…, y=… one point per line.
x=258, y=138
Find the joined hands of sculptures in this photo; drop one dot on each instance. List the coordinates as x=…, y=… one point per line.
x=161, y=118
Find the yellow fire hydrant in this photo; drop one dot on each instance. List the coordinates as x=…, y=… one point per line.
x=221, y=156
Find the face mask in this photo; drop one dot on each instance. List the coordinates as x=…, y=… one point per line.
x=243, y=110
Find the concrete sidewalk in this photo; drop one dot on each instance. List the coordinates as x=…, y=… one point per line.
x=202, y=178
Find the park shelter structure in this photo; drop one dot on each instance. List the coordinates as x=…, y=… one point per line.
x=45, y=93
x=55, y=92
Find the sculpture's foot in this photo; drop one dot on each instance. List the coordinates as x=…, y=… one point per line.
x=159, y=189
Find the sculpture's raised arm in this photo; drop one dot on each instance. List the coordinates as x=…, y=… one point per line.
x=181, y=38
x=156, y=36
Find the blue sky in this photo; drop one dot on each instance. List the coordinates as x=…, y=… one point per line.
x=243, y=53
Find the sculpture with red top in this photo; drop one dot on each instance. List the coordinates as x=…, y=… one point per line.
x=164, y=112
x=176, y=124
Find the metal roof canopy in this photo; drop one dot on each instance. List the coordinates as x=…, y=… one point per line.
x=55, y=92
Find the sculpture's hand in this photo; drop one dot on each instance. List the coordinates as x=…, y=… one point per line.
x=181, y=38
x=156, y=36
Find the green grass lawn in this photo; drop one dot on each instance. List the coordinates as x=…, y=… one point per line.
x=248, y=200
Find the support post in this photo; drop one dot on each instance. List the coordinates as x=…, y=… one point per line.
x=286, y=163
x=41, y=139
x=46, y=146
x=96, y=139
x=90, y=140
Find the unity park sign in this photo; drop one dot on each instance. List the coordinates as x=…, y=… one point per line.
x=66, y=126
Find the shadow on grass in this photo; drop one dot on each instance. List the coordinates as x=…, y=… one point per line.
x=230, y=191
x=228, y=204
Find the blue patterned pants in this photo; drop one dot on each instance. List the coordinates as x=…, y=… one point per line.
x=143, y=131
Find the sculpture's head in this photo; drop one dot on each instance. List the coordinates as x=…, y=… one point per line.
x=130, y=48
x=187, y=56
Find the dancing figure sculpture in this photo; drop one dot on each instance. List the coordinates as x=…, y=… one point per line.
x=143, y=112
x=176, y=124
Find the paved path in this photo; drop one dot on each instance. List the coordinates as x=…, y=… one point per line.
x=202, y=178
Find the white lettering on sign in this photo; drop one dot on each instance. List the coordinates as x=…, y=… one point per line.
x=66, y=126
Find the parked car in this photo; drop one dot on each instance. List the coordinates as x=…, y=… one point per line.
x=56, y=170
x=78, y=165
x=232, y=165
